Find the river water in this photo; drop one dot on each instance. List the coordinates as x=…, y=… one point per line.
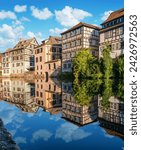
x=51, y=115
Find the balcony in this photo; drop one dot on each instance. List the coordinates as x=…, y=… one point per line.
x=31, y=68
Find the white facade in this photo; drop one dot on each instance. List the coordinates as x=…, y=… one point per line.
x=73, y=40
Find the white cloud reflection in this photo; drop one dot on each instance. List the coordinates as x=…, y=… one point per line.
x=69, y=132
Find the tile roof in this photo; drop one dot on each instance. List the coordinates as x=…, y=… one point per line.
x=114, y=15
x=23, y=44
x=81, y=24
x=8, y=50
x=53, y=40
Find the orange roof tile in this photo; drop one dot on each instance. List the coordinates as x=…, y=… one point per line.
x=81, y=24
x=114, y=15
x=53, y=40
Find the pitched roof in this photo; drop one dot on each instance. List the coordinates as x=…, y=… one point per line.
x=81, y=24
x=23, y=43
x=53, y=40
x=8, y=50
x=114, y=15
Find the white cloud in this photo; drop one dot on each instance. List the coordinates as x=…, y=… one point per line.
x=7, y=15
x=43, y=14
x=16, y=22
x=38, y=35
x=20, y=140
x=20, y=8
x=25, y=19
x=57, y=30
x=10, y=35
x=69, y=132
x=6, y=31
x=106, y=15
x=41, y=134
x=69, y=16
x=30, y=34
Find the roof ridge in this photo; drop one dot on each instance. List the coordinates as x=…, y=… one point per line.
x=115, y=14
x=79, y=24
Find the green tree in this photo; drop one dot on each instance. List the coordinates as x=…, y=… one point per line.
x=118, y=88
x=118, y=67
x=106, y=62
x=85, y=65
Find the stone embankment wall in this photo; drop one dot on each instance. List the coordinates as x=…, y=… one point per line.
x=6, y=141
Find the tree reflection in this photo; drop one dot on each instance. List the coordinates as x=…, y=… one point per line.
x=85, y=90
x=106, y=93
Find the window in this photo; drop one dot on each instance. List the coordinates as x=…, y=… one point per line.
x=21, y=57
x=68, y=45
x=18, y=64
x=78, y=31
x=40, y=58
x=41, y=66
x=93, y=42
x=41, y=94
x=36, y=59
x=73, y=44
x=109, y=34
x=117, y=46
x=122, y=45
x=68, y=35
x=64, y=36
x=121, y=30
x=49, y=86
x=69, y=65
x=64, y=46
x=78, y=42
x=113, y=47
x=53, y=49
x=49, y=66
x=54, y=66
x=65, y=66
x=72, y=33
x=37, y=51
x=54, y=87
x=117, y=31
x=96, y=32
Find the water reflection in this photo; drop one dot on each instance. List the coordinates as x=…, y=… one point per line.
x=73, y=111
x=76, y=109
x=19, y=93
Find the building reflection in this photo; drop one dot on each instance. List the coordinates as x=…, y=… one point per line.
x=73, y=111
x=1, y=90
x=112, y=118
x=48, y=95
x=20, y=93
x=58, y=97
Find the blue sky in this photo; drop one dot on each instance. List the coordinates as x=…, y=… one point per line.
x=41, y=18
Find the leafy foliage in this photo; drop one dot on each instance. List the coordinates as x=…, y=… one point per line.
x=85, y=90
x=107, y=62
x=106, y=93
x=85, y=65
x=118, y=67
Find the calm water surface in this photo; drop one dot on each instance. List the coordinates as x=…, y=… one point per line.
x=57, y=115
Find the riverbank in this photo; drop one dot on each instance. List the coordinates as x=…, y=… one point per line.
x=6, y=141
